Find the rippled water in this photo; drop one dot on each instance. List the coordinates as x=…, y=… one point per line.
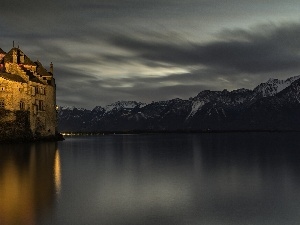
x=210, y=179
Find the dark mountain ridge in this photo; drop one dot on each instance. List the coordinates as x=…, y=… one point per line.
x=274, y=105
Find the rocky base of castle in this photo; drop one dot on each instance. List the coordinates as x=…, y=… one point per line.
x=18, y=128
x=15, y=135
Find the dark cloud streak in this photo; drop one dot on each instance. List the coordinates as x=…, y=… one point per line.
x=253, y=53
x=257, y=52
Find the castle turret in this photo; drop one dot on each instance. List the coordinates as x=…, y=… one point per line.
x=51, y=67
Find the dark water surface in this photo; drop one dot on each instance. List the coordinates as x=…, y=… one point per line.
x=205, y=179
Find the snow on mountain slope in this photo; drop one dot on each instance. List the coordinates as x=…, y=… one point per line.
x=218, y=100
x=67, y=107
x=274, y=86
x=98, y=109
x=196, y=106
x=123, y=105
x=71, y=108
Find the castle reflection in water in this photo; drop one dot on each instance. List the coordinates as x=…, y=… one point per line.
x=30, y=180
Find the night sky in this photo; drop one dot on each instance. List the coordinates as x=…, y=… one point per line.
x=149, y=50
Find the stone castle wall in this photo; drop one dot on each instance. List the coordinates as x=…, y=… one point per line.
x=27, y=98
x=11, y=95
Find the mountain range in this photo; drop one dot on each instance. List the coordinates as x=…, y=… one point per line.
x=271, y=106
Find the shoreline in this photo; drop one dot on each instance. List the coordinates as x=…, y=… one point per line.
x=100, y=133
x=57, y=137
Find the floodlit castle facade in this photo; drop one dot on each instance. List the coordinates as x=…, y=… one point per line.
x=27, y=96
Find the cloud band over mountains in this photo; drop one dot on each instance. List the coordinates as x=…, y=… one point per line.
x=256, y=51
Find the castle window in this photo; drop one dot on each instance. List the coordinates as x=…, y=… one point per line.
x=41, y=105
x=42, y=90
x=33, y=91
x=22, y=105
x=2, y=88
x=2, y=103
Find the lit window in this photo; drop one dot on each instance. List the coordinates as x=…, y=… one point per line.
x=22, y=105
x=2, y=103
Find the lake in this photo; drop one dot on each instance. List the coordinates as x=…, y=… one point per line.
x=178, y=179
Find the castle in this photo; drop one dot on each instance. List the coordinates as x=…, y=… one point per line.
x=27, y=97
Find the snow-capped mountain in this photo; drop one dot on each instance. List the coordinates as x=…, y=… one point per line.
x=128, y=105
x=274, y=105
x=274, y=86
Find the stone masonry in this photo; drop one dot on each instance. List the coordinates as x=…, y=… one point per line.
x=27, y=97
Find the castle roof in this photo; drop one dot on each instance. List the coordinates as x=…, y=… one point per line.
x=12, y=77
x=9, y=57
x=33, y=76
x=2, y=52
x=41, y=70
x=34, y=79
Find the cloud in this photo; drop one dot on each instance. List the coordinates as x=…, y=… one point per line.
x=255, y=51
x=104, y=51
x=139, y=67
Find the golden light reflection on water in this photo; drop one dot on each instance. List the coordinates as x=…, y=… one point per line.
x=26, y=181
x=16, y=196
x=57, y=172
